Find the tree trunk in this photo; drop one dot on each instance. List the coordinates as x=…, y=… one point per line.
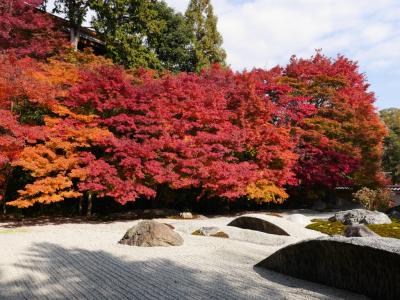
x=80, y=206
x=74, y=37
x=4, y=206
x=89, y=207
x=4, y=192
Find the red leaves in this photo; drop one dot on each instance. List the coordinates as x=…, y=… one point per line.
x=116, y=135
x=191, y=130
x=26, y=30
x=342, y=143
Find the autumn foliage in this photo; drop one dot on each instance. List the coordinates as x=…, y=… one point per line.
x=25, y=30
x=80, y=127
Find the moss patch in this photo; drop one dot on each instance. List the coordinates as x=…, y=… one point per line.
x=327, y=227
x=387, y=230
x=14, y=230
x=331, y=228
x=197, y=232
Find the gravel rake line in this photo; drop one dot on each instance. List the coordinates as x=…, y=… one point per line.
x=101, y=281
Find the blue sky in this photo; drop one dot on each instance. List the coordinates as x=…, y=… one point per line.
x=264, y=33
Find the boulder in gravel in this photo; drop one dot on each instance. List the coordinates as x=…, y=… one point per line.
x=358, y=231
x=258, y=224
x=369, y=266
x=273, y=225
x=150, y=233
x=361, y=216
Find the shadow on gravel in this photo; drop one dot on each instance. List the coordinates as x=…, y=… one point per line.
x=53, y=272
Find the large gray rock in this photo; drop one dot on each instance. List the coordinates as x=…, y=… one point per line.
x=369, y=266
x=361, y=216
x=150, y=233
x=258, y=224
x=358, y=231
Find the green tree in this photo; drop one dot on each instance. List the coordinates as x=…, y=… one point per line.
x=207, y=41
x=391, y=156
x=75, y=12
x=173, y=42
x=124, y=26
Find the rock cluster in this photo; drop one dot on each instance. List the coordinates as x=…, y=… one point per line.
x=360, y=216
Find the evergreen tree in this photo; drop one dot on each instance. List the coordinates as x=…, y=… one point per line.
x=124, y=26
x=173, y=43
x=391, y=156
x=144, y=33
x=207, y=41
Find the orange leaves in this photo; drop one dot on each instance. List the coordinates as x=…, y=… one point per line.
x=265, y=191
x=56, y=163
x=46, y=191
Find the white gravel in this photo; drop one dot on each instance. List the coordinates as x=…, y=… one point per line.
x=84, y=261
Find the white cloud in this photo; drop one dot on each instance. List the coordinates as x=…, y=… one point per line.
x=267, y=32
x=263, y=33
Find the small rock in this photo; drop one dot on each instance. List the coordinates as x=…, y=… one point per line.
x=186, y=215
x=210, y=231
x=207, y=231
x=361, y=216
x=358, y=231
x=150, y=233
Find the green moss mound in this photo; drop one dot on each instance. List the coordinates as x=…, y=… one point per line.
x=387, y=230
x=336, y=228
x=327, y=227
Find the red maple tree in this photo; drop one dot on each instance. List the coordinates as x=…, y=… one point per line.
x=26, y=30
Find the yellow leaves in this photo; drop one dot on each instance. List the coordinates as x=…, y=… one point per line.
x=265, y=191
